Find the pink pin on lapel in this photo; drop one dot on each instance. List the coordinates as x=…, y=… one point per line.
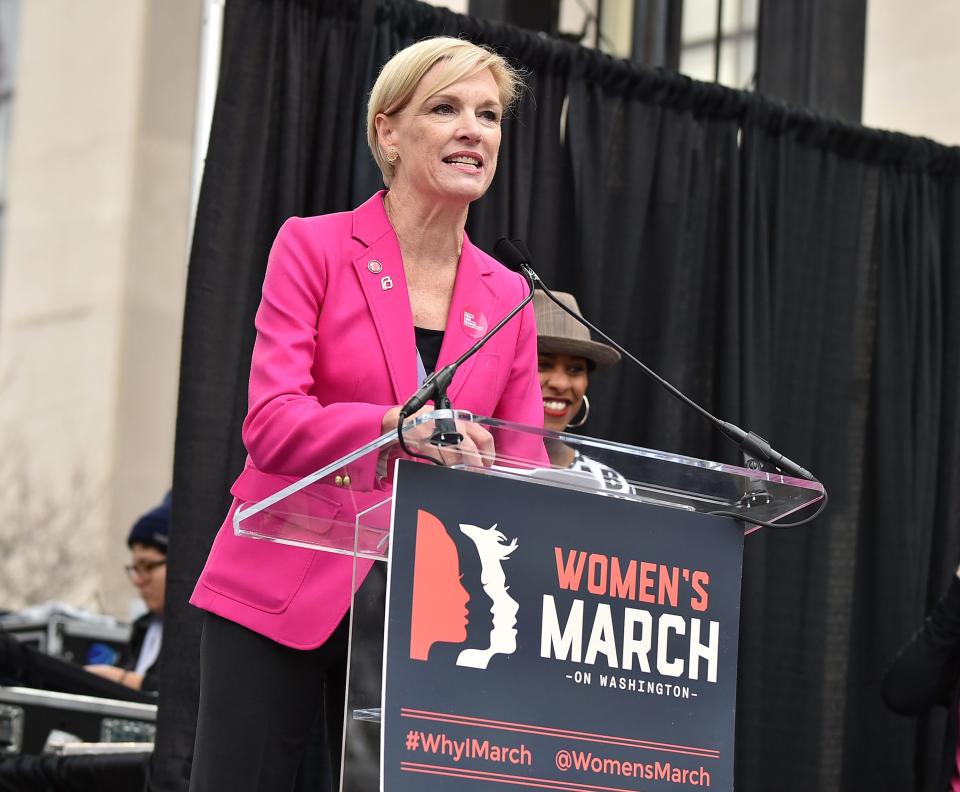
x=473, y=322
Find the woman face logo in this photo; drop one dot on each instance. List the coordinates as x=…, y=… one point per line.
x=439, y=599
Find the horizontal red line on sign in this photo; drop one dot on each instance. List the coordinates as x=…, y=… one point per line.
x=550, y=731
x=505, y=778
x=479, y=776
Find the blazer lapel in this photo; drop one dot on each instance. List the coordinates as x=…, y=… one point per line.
x=471, y=313
x=380, y=272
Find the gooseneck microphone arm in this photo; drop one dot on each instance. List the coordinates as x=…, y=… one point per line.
x=435, y=386
x=515, y=256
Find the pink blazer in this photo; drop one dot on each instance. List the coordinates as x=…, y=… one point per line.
x=334, y=351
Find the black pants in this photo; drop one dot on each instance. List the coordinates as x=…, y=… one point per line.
x=268, y=712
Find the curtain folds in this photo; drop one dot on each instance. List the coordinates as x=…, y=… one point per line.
x=797, y=275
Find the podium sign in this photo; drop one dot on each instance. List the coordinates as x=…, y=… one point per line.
x=591, y=642
x=540, y=636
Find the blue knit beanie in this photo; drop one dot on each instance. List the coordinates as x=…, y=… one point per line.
x=153, y=528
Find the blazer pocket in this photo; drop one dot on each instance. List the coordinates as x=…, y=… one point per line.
x=265, y=574
x=480, y=384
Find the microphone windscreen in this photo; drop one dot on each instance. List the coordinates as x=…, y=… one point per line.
x=520, y=245
x=508, y=254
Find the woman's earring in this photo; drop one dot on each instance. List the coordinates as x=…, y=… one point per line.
x=393, y=155
x=586, y=413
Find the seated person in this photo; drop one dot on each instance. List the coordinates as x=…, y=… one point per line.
x=926, y=674
x=139, y=667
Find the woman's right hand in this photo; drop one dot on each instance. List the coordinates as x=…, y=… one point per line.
x=391, y=418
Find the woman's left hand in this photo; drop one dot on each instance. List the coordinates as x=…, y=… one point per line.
x=477, y=447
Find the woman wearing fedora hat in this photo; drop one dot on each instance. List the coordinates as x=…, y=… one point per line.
x=566, y=356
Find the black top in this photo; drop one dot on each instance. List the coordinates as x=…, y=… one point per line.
x=428, y=345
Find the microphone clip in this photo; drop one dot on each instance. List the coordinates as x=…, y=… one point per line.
x=435, y=387
x=445, y=432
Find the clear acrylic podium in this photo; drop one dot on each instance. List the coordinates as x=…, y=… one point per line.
x=362, y=483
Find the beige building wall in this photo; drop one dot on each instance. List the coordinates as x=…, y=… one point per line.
x=911, y=67
x=91, y=296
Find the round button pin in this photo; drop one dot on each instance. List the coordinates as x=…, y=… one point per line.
x=473, y=322
x=374, y=266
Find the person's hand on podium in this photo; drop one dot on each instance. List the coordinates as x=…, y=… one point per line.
x=475, y=450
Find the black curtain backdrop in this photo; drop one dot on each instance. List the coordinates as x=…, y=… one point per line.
x=794, y=274
x=811, y=52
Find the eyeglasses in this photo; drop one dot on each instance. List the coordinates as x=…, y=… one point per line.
x=142, y=569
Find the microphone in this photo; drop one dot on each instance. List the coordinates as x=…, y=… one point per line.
x=516, y=256
x=435, y=386
x=437, y=380
x=513, y=255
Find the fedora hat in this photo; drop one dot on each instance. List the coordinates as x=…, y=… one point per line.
x=559, y=333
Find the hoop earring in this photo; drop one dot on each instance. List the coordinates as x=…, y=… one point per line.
x=586, y=414
x=393, y=155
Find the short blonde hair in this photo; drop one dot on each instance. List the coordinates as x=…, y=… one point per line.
x=400, y=76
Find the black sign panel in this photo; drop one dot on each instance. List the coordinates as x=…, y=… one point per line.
x=547, y=638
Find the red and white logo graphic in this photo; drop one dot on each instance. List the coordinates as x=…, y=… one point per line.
x=440, y=600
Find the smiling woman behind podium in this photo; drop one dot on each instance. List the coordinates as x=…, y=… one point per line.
x=566, y=355
x=357, y=307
